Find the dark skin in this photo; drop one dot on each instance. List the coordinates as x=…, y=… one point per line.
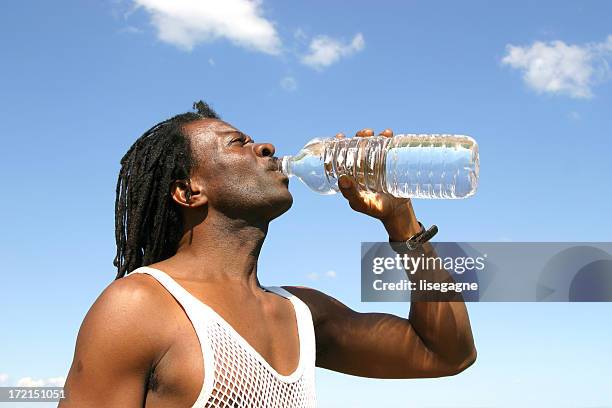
x=136, y=347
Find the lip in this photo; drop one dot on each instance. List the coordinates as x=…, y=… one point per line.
x=273, y=164
x=281, y=174
x=284, y=179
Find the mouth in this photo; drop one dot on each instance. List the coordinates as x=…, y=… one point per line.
x=283, y=177
x=274, y=166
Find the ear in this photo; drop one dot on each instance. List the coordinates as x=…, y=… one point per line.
x=188, y=194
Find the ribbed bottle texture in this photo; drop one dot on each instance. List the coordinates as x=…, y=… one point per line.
x=411, y=166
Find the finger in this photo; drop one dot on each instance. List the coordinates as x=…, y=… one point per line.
x=365, y=132
x=371, y=201
x=386, y=133
x=340, y=136
x=348, y=188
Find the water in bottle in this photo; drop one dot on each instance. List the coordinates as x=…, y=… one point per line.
x=410, y=165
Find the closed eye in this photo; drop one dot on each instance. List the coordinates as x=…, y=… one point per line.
x=242, y=139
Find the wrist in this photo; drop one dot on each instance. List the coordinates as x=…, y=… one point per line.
x=402, y=224
x=403, y=233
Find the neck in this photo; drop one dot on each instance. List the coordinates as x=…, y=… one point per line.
x=220, y=249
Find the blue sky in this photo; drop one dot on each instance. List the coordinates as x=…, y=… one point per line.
x=80, y=81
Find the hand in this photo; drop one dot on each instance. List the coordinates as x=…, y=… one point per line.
x=395, y=213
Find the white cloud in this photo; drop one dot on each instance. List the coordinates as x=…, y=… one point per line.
x=56, y=381
x=3, y=378
x=49, y=382
x=313, y=276
x=130, y=30
x=560, y=68
x=288, y=83
x=325, y=51
x=211, y=62
x=573, y=115
x=185, y=23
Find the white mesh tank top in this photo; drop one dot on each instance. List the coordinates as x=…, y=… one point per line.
x=235, y=374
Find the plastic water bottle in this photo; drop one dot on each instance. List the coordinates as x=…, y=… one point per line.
x=410, y=165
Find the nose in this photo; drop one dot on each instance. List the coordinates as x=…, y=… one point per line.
x=265, y=149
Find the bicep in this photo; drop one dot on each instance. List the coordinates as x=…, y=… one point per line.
x=114, y=351
x=375, y=345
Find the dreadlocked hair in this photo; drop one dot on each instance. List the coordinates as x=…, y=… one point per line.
x=148, y=224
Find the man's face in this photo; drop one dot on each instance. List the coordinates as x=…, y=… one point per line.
x=238, y=176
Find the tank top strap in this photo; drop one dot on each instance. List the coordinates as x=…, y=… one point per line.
x=198, y=314
x=304, y=320
x=185, y=298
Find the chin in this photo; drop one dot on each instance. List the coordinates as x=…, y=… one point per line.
x=282, y=204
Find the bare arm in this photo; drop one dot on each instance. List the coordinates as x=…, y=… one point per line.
x=115, y=350
x=443, y=325
x=436, y=338
x=375, y=345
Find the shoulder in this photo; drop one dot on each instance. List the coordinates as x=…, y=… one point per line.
x=127, y=330
x=131, y=315
x=133, y=296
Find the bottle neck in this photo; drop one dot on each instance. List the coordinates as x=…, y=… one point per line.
x=284, y=165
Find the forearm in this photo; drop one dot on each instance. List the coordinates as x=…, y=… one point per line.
x=439, y=319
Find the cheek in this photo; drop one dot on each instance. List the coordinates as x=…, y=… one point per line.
x=232, y=180
x=231, y=185
x=219, y=174
x=238, y=171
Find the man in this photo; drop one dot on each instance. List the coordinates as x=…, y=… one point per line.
x=195, y=197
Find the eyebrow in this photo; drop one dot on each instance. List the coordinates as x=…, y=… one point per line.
x=229, y=131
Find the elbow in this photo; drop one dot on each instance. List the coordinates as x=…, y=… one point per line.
x=468, y=361
x=463, y=364
x=458, y=364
